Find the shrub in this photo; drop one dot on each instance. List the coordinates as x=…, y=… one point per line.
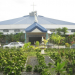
x=45, y=72
x=7, y=69
x=36, y=68
x=49, y=64
x=28, y=68
x=37, y=43
x=67, y=44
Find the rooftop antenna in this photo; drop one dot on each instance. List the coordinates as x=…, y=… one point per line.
x=33, y=6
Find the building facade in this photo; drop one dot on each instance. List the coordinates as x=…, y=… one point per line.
x=43, y=28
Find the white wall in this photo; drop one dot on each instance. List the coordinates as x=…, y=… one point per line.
x=22, y=27
x=58, y=26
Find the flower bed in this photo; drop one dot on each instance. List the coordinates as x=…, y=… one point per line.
x=12, y=61
x=66, y=56
x=42, y=68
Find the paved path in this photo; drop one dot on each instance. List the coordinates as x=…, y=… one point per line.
x=47, y=60
x=32, y=61
x=1, y=73
x=30, y=73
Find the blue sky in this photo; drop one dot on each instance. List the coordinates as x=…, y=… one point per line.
x=56, y=9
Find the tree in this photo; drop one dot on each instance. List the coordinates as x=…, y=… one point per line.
x=56, y=38
x=64, y=30
x=53, y=38
x=58, y=31
x=1, y=36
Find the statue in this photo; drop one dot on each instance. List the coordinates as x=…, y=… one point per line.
x=42, y=46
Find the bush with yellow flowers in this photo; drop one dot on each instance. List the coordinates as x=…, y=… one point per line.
x=45, y=41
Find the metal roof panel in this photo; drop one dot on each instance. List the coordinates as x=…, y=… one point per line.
x=30, y=19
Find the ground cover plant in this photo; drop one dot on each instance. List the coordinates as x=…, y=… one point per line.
x=42, y=68
x=64, y=60
x=12, y=61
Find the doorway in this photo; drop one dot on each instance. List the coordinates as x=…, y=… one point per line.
x=34, y=39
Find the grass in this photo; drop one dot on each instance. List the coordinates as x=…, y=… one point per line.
x=31, y=53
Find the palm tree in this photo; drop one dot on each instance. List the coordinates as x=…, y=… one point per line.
x=59, y=68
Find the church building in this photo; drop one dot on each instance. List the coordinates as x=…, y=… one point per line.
x=34, y=26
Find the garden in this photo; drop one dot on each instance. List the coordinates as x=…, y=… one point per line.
x=29, y=61
x=12, y=61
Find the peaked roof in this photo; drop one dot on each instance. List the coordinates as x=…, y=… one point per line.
x=30, y=20
x=35, y=25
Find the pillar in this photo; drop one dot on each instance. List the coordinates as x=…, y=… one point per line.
x=25, y=37
x=6, y=39
x=46, y=36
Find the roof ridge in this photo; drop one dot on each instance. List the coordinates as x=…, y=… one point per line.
x=33, y=26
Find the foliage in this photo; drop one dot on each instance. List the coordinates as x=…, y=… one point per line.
x=15, y=37
x=56, y=38
x=66, y=55
x=36, y=68
x=37, y=49
x=12, y=61
x=1, y=36
x=27, y=47
x=49, y=64
x=59, y=31
x=28, y=68
x=64, y=30
x=45, y=41
x=37, y=43
x=45, y=72
x=59, y=68
x=41, y=61
x=67, y=44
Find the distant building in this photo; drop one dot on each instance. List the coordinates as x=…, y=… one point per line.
x=34, y=26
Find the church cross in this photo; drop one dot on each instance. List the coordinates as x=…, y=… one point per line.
x=33, y=6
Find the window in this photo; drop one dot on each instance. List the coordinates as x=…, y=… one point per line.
x=73, y=30
x=17, y=30
x=52, y=30
x=16, y=43
x=12, y=43
x=5, y=30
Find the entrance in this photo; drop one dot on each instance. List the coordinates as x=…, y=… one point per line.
x=34, y=39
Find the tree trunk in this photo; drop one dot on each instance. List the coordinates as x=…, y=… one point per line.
x=58, y=73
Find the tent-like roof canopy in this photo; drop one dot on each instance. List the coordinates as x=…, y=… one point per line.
x=34, y=26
